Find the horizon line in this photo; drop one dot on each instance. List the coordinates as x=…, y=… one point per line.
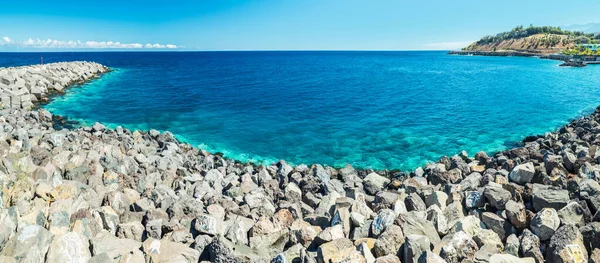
x=220, y=50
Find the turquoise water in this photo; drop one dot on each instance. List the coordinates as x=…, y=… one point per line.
x=394, y=110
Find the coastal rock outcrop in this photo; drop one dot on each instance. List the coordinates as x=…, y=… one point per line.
x=96, y=194
x=21, y=87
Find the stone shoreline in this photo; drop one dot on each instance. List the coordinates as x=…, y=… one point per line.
x=93, y=194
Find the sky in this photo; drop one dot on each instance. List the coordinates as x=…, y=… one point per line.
x=27, y=25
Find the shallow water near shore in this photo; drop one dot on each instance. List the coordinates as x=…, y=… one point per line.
x=394, y=110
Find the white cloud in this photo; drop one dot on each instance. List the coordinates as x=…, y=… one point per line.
x=448, y=45
x=53, y=43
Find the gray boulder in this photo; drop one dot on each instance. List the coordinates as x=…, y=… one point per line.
x=544, y=223
x=70, y=247
x=522, y=174
x=29, y=244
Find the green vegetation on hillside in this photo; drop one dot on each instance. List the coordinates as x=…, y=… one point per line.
x=522, y=32
x=582, y=51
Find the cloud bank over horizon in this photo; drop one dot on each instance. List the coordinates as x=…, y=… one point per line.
x=49, y=43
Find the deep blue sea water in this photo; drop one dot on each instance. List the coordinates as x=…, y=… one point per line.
x=394, y=110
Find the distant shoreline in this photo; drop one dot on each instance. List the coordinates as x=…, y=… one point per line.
x=509, y=53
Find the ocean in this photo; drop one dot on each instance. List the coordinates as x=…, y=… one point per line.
x=380, y=110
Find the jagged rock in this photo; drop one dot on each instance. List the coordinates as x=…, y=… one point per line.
x=166, y=251
x=572, y=213
x=116, y=248
x=339, y=250
x=430, y=257
x=415, y=203
x=522, y=174
x=383, y=219
x=530, y=246
x=544, y=223
x=496, y=195
x=389, y=242
x=375, y=182
x=29, y=244
x=70, y=247
x=497, y=224
x=460, y=247
x=438, y=198
x=388, y=259
x=365, y=252
x=544, y=196
x=512, y=245
x=591, y=235
x=566, y=245
x=414, y=246
x=516, y=213
x=412, y=224
x=132, y=230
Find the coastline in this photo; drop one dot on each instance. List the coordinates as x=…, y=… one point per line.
x=507, y=53
x=123, y=192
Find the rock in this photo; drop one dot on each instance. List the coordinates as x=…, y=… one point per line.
x=549, y=197
x=567, y=245
x=365, y=252
x=572, y=213
x=522, y=174
x=474, y=199
x=388, y=259
x=70, y=247
x=430, y=257
x=303, y=233
x=167, y=251
x=8, y=224
x=544, y=223
x=116, y=248
x=414, y=246
x=507, y=258
x=339, y=250
x=496, y=195
x=329, y=234
x=131, y=230
x=595, y=256
x=412, y=224
x=438, y=198
x=497, y=224
x=206, y=224
x=460, y=247
x=98, y=127
x=415, y=203
x=516, y=214
x=389, y=242
x=591, y=235
x=375, y=182
x=436, y=216
x=512, y=245
x=29, y=244
x=530, y=246
x=383, y=219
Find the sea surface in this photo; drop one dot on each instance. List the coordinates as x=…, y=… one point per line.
x=381, y=110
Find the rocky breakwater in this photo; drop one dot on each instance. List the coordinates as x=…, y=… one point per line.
x=94, y=194
x=21, y=87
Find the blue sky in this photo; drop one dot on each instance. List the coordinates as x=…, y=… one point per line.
x=273, y=24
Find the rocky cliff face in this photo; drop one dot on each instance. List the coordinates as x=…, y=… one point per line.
x=540, y=43
x=20, y=87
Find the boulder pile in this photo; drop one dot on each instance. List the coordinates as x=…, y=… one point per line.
x=93, y=194
x=21, y=87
